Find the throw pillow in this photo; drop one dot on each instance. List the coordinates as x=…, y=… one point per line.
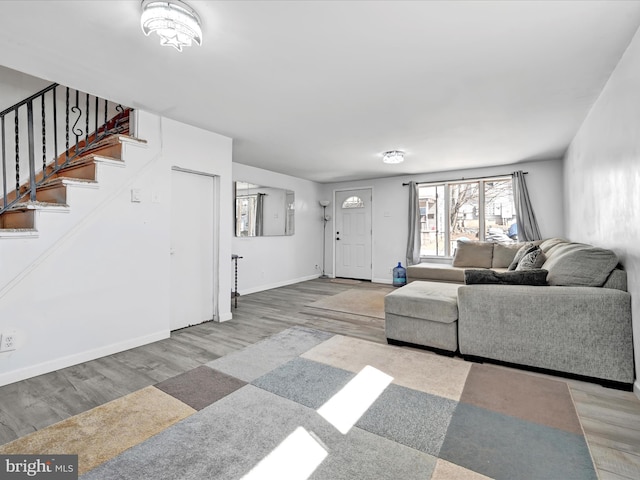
x=473, y=254
x=578, y=264
x=526, y=248
x=503, y=255
x=532, y=260
x=537, y=277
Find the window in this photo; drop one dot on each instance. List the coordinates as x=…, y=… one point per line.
x=476, y=210
x=246, y=215
x=353, y=202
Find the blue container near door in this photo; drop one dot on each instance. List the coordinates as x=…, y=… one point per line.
x=399, y=275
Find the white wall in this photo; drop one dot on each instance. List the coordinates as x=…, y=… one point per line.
x=602, y=176
x=391, y=203
x=270, y=262
x=17, y=86
x=102, y=286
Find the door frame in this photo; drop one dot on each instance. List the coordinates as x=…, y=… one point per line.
x=216, y=234
x=333, y=226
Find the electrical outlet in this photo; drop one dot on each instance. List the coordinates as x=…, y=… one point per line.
x=8, y=342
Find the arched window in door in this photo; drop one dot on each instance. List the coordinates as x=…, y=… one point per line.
x=353, y=202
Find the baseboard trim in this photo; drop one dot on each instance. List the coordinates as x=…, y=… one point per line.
x=68, y=361
x=262, y=288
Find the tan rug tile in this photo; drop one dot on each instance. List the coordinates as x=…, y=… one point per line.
x=450, y=471
x=422, y=371
x=101, y=433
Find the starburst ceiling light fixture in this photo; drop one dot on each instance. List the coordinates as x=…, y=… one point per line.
x=393, y=156
x=175, y=22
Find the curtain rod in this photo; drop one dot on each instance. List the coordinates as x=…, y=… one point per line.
x=465, y=179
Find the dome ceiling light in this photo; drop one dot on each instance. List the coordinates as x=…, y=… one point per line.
x=393, y=156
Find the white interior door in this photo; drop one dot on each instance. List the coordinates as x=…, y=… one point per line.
x=192, y=249
x=353, y=234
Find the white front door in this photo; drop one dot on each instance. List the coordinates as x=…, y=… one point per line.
x=353, y=234
x=192, y=249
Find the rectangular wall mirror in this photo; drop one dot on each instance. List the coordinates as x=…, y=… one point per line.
x=263, y=211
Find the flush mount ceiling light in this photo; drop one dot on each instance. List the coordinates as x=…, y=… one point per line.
x=393, y=156
x=175, y=22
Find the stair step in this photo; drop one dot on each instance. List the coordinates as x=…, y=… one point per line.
x=94, y=157
x=18, y=233
x=53, y=182
x=21, y=216
x=54, y=190
x=110, y=146
x=37, y=205
x=18, y=220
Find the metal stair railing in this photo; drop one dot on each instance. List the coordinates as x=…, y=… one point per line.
x=79, y=109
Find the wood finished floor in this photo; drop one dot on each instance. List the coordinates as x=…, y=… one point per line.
x=611, y=418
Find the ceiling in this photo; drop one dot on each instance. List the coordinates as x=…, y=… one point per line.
x=319, y=89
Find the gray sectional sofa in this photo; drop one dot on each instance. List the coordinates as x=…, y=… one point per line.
x=578, y=323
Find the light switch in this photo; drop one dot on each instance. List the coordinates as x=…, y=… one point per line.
x=136, y=195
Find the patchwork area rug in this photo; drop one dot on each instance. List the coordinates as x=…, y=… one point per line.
x=308, y=404
x=357, y=301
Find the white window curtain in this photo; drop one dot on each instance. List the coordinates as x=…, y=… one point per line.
x=527, y=224
x=413, y=243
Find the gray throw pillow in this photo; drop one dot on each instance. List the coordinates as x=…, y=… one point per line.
x=578, y=264
x=536, y=277
x=532, y=260
x=526, y=248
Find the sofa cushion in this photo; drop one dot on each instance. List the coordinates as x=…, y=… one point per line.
x=524, y=249
x=503, y=255
x=616, y=280
x=436, y=272
x=473, y=254
x=532, y=260
x=578, y=264
x=433, y=301
x=523, y=277
x=551, y=243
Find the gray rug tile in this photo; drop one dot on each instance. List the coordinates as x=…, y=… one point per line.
x=200, y=387
x=410, y=417
x=257, y=359
x=228, y=438
x=505, y=447
x=305, y=381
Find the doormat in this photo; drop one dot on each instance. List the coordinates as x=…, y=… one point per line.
x=367, y=302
